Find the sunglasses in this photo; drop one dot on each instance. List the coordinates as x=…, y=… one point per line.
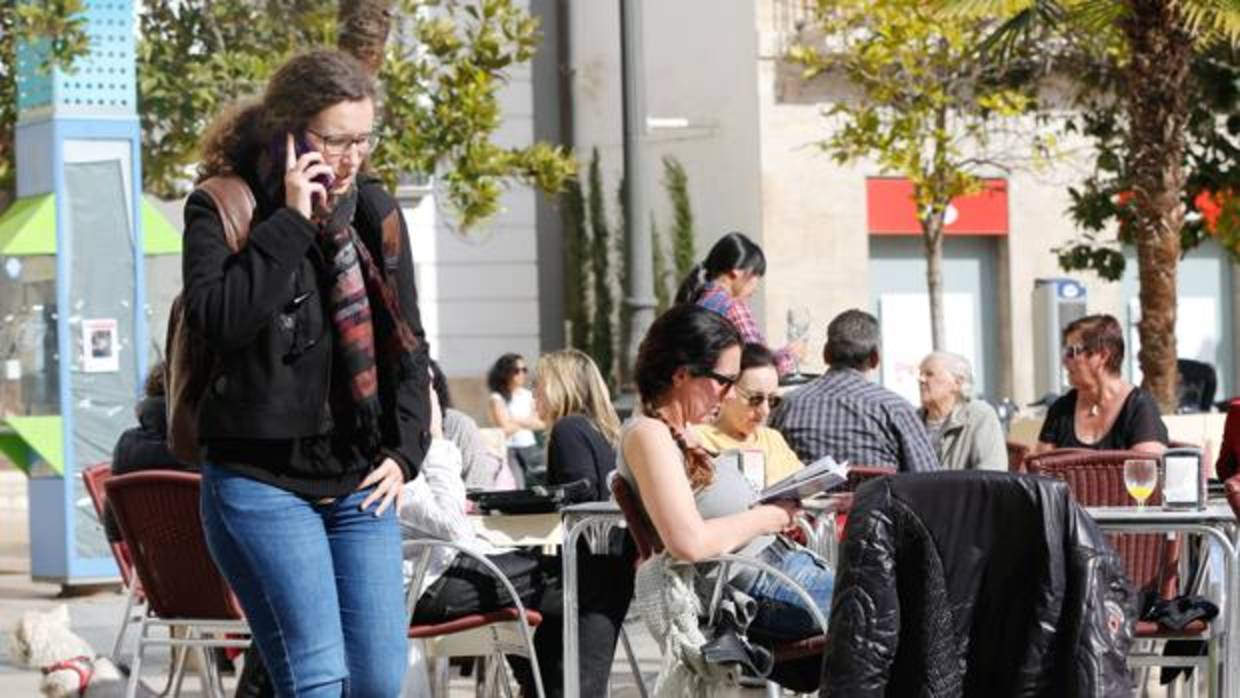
x=522, y=369
x=1071, y=351
x=755, y=400
x=722, y=380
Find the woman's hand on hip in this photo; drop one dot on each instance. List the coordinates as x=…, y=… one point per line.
x=388, y=480
x=299, y=173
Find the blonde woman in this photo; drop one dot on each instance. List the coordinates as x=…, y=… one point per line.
x=572, y=400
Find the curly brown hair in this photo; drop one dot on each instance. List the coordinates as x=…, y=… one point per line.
x=305, y=85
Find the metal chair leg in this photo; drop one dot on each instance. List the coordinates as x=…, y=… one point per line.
x=136, y=672
x=633, y=664
x=501, y=670
x=115, y=654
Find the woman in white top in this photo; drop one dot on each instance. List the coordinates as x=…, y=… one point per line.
x=511, y=408
x=433, y=506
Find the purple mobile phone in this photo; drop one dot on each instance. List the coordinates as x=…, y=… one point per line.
x=301, y=146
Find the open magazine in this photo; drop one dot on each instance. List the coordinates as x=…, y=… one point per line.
x=817, y=477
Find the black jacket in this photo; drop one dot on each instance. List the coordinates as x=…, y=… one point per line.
x=144, y=447
x=265, y=312
x=976, y=584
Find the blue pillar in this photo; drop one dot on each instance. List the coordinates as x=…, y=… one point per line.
x=78, y=139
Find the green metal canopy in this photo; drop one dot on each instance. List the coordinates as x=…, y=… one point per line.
x=28, y=227
x=28, y=438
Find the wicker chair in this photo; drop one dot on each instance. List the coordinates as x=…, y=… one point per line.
x=157, y=512
x=1096, y=478
x=94, y=478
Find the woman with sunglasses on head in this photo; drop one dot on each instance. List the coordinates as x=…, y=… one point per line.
x=316, y=412
x=741, y=423
x=1102, y=411
x=724, y=283
x=511, y=408
x=687, y=364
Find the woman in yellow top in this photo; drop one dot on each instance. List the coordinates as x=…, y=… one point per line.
x=741, y=423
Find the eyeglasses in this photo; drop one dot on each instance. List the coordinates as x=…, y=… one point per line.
x=523, y=369
x=335, y=146
x=724, y=382
x=1071, y=351
x=755, y=400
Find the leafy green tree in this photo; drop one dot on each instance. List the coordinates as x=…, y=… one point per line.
x=1149, y=45
x=60, y=23
x=662, y=294
x=440, y=78
x=924, y=106
x=577, y=261
x=1101, y=204
x=684, y=252
x=602, y=334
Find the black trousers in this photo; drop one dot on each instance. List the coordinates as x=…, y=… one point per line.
x=605, y=588
x=467, y=587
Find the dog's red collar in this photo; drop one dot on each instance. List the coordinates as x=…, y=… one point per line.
x=83, y=666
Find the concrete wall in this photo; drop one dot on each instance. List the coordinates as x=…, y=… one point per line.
x=699, y=65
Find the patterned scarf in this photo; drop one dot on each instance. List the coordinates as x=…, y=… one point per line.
x=356, y=280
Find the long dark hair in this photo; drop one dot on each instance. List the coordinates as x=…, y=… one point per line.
x=501, y=373
x=732, y=251
x=305, y=85
x=439, y=382
x=686, y=336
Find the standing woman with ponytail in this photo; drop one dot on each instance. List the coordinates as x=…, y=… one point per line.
x=725, y=281
x=317, y=407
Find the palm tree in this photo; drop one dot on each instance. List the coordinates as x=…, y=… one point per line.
x=363, y=27
x=1158, y=38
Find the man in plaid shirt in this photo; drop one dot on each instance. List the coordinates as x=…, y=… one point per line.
x=845, y=415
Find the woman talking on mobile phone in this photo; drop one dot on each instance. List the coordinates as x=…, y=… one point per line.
x=316, y=411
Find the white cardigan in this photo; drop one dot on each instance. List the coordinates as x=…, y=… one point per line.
x=434, y=505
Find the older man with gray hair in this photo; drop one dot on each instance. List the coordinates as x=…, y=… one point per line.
x=965, y=432
x=847, y=416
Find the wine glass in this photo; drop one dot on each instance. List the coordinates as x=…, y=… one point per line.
x=799, y=320
x=1140, y=477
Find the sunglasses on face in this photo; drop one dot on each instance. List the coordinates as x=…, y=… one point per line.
x=522, y=369
x=1071, y=351
x=724, y=382
x=755, y=400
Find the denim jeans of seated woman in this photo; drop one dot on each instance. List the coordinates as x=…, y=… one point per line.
x=320, y=585
x=782, y=615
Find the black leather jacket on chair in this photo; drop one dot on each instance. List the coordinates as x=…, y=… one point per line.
x=976, y=584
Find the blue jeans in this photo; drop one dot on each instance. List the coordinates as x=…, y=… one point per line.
x=320, y=585
x=782, y=615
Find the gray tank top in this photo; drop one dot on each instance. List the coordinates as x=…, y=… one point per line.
x=728, y=492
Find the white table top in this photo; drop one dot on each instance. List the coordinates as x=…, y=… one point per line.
x=1215, y=512
x=519, y=530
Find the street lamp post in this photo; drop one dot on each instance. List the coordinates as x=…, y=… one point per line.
x=640, y=292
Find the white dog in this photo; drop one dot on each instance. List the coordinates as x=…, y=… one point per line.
x=71, y=669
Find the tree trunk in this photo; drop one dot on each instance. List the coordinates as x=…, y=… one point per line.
x=1157, y=106
x=932, y=237
x=363, y=27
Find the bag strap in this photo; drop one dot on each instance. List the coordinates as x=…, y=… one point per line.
x=235, y=203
